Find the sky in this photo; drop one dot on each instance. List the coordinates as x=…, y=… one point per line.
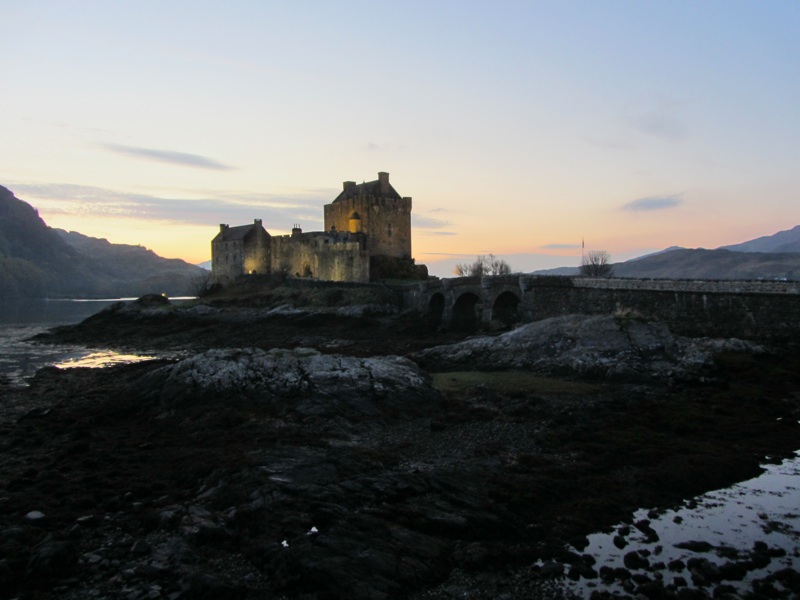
x=522, y=129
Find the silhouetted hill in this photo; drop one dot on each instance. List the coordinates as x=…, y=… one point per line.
x=769, y=257
x=712, y=264
x=37, y=261
x=783, y=241
x=562, y=271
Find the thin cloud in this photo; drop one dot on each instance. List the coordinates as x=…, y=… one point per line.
x=662, y=121
x=428, y=223
x=278, y=213
x=560, y=246
x=653, y=203
x=169, y=156
x=438, y=233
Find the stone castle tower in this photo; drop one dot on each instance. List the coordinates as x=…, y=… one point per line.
x=367, y=237
x=376, y=210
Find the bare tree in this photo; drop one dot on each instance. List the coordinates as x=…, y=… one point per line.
x=200, y=284
x=483, y=265
x=461, y=270
x=597, y=263
x=497, y=266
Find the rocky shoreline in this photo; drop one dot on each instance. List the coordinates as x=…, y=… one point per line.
x=334, y=468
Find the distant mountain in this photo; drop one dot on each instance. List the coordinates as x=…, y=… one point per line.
x=562, y=271
x=37, y=261
x=783, y=241
x=670, y=249
x=712, y=264
x=769, y=257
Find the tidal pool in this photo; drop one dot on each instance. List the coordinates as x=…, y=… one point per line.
x=743, y=536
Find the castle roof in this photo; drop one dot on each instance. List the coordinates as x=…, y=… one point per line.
x=236, y=233
x=368, y=188
x=240, y=232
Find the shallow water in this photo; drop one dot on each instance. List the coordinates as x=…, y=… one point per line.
x=764, y=509
x=20, y=358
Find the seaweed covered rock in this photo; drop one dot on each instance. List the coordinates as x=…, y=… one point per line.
x=301, y=380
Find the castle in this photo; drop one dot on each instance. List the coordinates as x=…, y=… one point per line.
x=367, y=237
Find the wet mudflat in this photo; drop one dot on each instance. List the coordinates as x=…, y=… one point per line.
x=116, y=483
x=106, y=492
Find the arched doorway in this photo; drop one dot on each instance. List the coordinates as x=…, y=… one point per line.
x=505, y=308
x=465, y=315
x=436, y=309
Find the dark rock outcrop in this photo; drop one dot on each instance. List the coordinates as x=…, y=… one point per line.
x=593, y=346
x=301, y=380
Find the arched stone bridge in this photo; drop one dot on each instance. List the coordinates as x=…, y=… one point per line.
x=751, y=309
x=467, y=303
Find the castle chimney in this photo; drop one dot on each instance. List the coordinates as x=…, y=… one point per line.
x=256, y=221
x=347, y=185
x=222, y=227
x=384, y=180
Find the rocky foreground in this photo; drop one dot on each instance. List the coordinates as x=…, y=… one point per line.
x=344, y=471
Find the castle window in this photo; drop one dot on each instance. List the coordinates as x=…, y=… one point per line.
x=389, y=230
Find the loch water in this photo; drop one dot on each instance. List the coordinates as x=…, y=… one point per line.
x=20, y=357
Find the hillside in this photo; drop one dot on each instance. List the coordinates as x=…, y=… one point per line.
x=37, y=261
x=783, y=241
x=774, y=256
x=712, y=264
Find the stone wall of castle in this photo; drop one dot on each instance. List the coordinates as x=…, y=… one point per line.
x=320, y=255
x=386, y=222
x=233, y=258
x=257, y=255
x=226, y=260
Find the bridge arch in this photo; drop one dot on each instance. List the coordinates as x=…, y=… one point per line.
x=506, y=308
x=465, y=312
x=436, y=307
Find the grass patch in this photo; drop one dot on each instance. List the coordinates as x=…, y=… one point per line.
x=512, y=383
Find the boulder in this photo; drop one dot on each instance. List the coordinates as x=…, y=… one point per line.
x=592, y=346
x=153, y=300
x=301, y=380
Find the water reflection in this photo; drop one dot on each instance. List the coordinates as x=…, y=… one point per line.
x=19, y=321
x=761, y=512
x=20, y=358
x=100, y=359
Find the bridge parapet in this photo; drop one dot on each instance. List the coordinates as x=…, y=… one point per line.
x=707, y=286
x=749, y=309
